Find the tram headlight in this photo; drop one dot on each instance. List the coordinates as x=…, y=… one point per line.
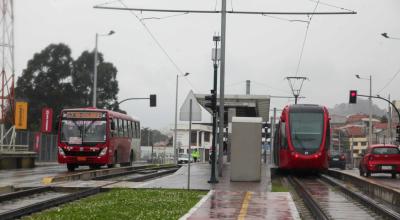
x=103, y=152
x=61, y=151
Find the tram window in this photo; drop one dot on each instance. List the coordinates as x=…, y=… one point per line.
x=283, y=135
x=328, y=138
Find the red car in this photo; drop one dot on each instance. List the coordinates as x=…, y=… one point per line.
x=380, y=158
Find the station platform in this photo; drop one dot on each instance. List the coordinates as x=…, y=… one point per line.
x=381, y=179
x=16, y=160
x=244, y=200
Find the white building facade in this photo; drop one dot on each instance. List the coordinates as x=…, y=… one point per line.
x=201, y=139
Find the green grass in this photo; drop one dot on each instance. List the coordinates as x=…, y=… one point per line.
x=126, y=204
x=277, y=186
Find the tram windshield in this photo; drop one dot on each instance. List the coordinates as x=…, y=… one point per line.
x=306, y=130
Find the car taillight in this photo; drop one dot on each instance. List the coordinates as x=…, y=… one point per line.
x=61, y=151
x=103, y=152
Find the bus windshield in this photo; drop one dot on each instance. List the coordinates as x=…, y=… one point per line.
x=306, y=130
x=83, y=131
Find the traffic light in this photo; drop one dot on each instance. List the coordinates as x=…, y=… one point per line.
x=210, y=100
x=353, y=97
x=267, y=130
x=153, y=100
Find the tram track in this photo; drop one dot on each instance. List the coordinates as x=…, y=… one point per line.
x=24, y=202
x=327, y=198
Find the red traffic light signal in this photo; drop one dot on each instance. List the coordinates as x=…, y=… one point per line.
x=353, y=97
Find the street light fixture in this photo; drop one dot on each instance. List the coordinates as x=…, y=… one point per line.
x=385, y=35
x=176, y=112
x=94, y=103
x=370, y=107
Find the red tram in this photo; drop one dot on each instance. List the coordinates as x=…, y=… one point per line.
x=302, y=138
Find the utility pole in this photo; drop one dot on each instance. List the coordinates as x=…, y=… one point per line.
x=222, y=90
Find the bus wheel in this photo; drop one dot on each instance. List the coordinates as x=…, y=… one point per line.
x=71, y=167
x=94, y=167
x=114, y=161
x=131, y=158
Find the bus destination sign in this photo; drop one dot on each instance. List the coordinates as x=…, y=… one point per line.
x=91, y=115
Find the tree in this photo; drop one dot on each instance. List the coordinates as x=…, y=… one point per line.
x=46, y=82
x=107, y=84
x=53, y=79
x=150, y=136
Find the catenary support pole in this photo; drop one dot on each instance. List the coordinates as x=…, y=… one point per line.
x=222, y=90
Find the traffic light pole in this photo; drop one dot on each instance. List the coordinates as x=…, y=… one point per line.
x=394, y=107
x=213, y=178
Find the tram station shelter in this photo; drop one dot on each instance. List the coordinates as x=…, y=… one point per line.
x=240, y=106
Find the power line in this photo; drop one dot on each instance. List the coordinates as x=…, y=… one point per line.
x=390, y=81
x=158, y=43
x=285, y=19
x=330, y=5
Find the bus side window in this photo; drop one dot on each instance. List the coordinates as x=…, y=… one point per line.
x=120, y=131
x=133, y=130
x=124, y=128
x=128, y=129
x=283, y=135
x=137, y=125
x=115, y=130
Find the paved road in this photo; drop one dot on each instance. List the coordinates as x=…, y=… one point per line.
x=32, y=177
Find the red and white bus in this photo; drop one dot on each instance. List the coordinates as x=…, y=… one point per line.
x=97, y=137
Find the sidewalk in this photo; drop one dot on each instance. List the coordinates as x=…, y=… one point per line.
x=229, y=200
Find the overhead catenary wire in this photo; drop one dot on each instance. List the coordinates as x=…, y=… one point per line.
x=158, y=43
x=389, y=82
x=330, y=5
x=305, y=39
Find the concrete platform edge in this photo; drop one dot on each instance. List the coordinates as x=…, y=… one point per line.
x=197, y=206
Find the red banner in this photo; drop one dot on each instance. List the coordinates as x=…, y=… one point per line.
x=36, y=142
x=47, y=120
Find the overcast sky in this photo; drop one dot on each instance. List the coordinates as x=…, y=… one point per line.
x=262, y=49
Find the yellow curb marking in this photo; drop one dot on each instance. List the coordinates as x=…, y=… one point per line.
x=47, y=180
x=245, y=205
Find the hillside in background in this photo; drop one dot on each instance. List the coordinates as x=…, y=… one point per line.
x=362, y=106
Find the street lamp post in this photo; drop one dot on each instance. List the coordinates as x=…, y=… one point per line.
x=370, y=108
x=176, y=113
x=94, y=103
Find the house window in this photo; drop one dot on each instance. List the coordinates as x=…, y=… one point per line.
x=355, y=143
x=207, y=136
x=193, y=138
x=363, y=143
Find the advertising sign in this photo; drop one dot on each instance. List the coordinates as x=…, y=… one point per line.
x=36, y=142
x=21, y=115
x=47, y=120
